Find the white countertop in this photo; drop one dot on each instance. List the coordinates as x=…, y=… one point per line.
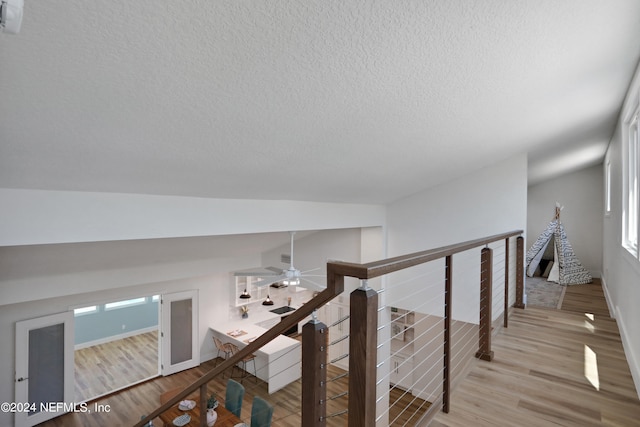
x=252, y=330
x=260, y=317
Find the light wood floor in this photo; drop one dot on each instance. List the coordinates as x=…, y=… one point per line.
x=587, y=298
x=104, y=368
x=542, y=375
x=551, y=368
x=126, y=407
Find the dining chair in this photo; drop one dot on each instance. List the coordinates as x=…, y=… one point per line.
x=261, y=413
x=233, y=397
x=250, y=358
x=222, y=347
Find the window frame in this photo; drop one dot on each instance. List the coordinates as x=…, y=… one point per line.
x=631, y=188
x=607, y=188
x=83, y=311
x=116, y=305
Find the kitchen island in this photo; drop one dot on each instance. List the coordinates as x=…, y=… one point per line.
x=278, y=363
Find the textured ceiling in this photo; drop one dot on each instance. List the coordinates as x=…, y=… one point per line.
x=346, y=101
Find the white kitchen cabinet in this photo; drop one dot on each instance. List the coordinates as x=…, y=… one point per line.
x=248, y=283
x=402, y=327
x=403, y=323
x=278, y=362
x=401, y=371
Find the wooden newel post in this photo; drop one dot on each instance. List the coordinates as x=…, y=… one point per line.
x=203, y=405
x=519, y=273
x=315, y=338
x=486, y=282
x=363, y=352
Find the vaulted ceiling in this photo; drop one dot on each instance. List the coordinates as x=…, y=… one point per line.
x=343, y=101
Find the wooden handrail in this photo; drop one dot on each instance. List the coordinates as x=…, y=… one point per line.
x=336, y=272
x=379, y=268
x=360, y=411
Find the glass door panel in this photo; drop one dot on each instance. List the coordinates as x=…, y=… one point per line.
x=44, y=368
x=179, y=332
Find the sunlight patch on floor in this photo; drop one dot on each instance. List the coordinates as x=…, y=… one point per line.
x=591, y=367
x=589, y=326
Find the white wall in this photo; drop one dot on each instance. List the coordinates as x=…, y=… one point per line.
x=580, y=193
x=32, y=217
x=41, y=279
x=45, y=279
x=490, y=201
x=211, y=289
x=621, y=272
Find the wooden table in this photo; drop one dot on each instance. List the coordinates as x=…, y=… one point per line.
x=225, y=418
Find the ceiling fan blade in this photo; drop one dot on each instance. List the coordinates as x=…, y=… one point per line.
x=312, y=286
x=259, y=272
x=313, y=269
x=270, y=280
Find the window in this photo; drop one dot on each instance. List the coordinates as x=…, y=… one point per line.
x=630, y=214
x=85, y=310
x=125, y=303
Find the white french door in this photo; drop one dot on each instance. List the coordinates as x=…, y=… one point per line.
x=44, y=377
x=179, y=331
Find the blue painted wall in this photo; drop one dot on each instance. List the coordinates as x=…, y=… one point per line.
x=108, y=323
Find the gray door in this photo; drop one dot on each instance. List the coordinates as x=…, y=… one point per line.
x=179, y=332
x=44, y=375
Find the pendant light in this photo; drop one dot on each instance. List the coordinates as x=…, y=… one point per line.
x=267, y=301
x=245, y=295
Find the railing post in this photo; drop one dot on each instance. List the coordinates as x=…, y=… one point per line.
x=519, y=273
x=506, y=283
x=203, y=405
x=315, y=336
x=363, y=342
x=486, y=282
x=446, y=375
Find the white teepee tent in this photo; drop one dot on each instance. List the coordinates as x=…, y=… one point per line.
x=566, y=269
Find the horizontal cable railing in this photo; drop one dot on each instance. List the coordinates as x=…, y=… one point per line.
x=338, y=369
x=416, y=339
x=353, y=370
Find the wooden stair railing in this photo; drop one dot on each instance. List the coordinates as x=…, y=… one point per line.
x=333, y=290
x=362, y=339
x=363, y=324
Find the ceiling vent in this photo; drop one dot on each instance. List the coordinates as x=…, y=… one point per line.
x=286, y=259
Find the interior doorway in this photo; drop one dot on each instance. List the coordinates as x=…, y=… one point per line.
x=179, y=332
x=116, y=345
x=43, y=372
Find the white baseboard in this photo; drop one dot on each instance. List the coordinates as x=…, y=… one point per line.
x=607, y=297
x=115, y=337
x=632, y=359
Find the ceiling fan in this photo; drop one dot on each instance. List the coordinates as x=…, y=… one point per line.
x=288, y=277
